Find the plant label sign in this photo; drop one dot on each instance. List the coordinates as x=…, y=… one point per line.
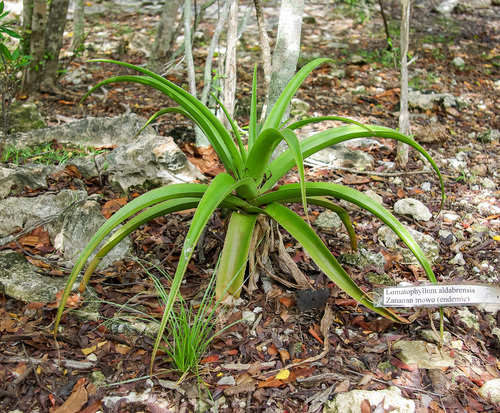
x=436, y=295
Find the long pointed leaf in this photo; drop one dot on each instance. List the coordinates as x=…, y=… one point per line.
x=304, y=122
x=211, y=126
x=323, y=257
x=190, y=103
x=284, y=162
x=279, y=108
x=150, y=198
x=360, y=199
x=252, y=126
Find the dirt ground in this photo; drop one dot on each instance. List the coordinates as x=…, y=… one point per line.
x=359, y=354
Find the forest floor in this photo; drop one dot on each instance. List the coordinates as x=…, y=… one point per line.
x=248, y=356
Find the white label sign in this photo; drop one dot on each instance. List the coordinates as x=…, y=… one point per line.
x=436, y=295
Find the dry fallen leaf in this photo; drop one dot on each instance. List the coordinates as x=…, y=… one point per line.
x=76, y=400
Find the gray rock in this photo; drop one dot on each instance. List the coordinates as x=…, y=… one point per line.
x=299, y=105
x=458, y=62
x=363, y=258
x=351, y=402
x=429, y=245
x=150, y=161
x=425, y=355
x=488, y=183
x=88, y=132
x=414, y=208
x=419, y=100
x=490, y=391
x=75, y=219
x=20, y=280
x=447, y=6
x=374, y=196
x=338, y=73
x=458, y=259
x=342, y=156
x=489, y=136
x=328, y=219
x=227, y=381
x=469, y=319
x=430, y=335
x=138, y=44
x=13, y=178
x=24, y=117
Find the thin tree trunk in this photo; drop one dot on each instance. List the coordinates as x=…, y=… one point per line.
x=162, y=45
x=53, y=40
x=27, y=23
x=36, y=68
x=286, y=54
x=404, y=115
x=78, y=25
x=230, y=72
x=266, y=50
x=207, y=80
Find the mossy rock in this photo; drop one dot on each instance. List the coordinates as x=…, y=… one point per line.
x=24, y=117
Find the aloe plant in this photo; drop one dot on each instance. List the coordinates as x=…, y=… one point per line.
x=245, y=188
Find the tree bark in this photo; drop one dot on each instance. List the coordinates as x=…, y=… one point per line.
x=36, y=68
x=287, y=50
x=266, y=50
x=165, y=34
x=78, y=25
x=285, y=55
x=230, y=71
x=53, y=40
x=404, y=115
x=26, y=29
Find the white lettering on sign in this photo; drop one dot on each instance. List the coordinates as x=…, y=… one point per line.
x=436, y=295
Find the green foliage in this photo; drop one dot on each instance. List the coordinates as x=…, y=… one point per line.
x=45, y=154
x=246, y=188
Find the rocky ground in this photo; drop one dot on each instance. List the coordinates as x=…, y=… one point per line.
x=455, y=108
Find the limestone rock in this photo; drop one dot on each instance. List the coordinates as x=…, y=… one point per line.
x=413, y=207
x=340, y=155
x=427, y=243
x=458, y=62
x=150, y=161
x=491, y=391
x=489, y=136
x=76, y=219
x=425, y=355
x=422, y=101
x=20, y=280
x=328, y=219
x=390, y=399
x=363, y=258
x=13, y=178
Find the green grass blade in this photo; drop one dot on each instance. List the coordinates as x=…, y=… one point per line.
x=286, y=161
x=221, y=187
x=322, y=256
x=304, y=122
x=279, y=108
x=357, y=198
x=252, y=126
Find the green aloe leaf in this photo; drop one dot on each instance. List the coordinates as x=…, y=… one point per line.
x=150, y=198
x=309, y=146
x=323, y=257
x=220, y=188
x=277, y=112
x=252, y=126
x=198, y=110
x=357, y=198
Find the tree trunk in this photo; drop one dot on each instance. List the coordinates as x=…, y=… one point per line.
x=36, y=68
x=286, y=54
x=53, y=40
x=230, y=72
x=165, y=34
x=404, y=115
x=266, y=50
x=78, y=25
x=26, y=30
